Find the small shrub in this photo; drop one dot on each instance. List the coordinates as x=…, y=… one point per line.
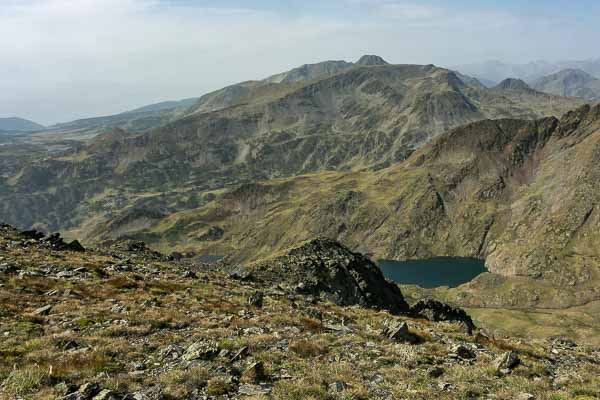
x=218, y=387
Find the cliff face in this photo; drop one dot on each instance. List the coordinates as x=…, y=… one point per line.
x=523, y=195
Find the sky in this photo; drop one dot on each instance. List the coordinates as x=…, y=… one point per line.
x=67, y=59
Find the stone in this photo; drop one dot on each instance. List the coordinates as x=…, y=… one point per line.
x=241, y=353
x=254, y=390
x=203, y=350
x=6, y=268
x=118, y=308
x=136, y=396
x=139, y=366
x=435, y=372
x=43, y=310
x=255, y=373
x=463, y=352
x=398, y=331
x=256, y=299
x=525, y=396
x=189, y=274
x=86, y=391
x=105, y=394
x=337, y=387
x=172, y=351
x=33, y=234
x=506, y=362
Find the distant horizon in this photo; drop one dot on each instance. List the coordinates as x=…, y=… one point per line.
x=168, y=99
x=65, y=60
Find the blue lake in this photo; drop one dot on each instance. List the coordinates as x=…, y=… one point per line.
x=441, y=271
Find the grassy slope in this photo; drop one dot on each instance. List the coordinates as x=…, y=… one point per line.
x=103, y=322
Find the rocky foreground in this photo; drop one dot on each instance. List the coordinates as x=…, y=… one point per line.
x=314, y=322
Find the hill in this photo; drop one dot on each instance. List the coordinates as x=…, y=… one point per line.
x=570, y=82
x=14, y=124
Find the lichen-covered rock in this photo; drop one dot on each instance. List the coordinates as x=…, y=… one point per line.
x=506, y=362
x=398, y=331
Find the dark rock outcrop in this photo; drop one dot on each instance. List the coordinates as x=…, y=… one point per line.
x=323, y=267
x=55, y=242
x=437, y=311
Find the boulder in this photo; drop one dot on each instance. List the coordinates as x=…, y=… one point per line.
x=256, y=299
x=203, y=350
x=437, y=311
x=398, y=331
x=435, y=372
x=86, y=391
x=255, y=373
x=462, y=351
x=45, y=310
x=506, y=362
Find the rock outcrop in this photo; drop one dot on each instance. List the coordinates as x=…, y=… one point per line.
x=325, y=268
x=436, y=311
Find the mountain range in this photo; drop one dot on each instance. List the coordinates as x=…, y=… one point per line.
x=365, y=117
x=491, y=72
x=570, y=82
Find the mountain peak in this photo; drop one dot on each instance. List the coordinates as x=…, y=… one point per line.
x=571, y=73
x=513, y=84
x=570, y=82
x=370, y=59
x=19, y=124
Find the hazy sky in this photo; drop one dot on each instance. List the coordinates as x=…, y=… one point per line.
x=67, y=59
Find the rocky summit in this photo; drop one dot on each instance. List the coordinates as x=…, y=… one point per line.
x=125, y=322
x=325, y=268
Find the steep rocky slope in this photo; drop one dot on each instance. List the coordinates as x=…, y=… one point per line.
x=126, y=323
x=521, y=194
x=570, y=82
x=367, y=117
